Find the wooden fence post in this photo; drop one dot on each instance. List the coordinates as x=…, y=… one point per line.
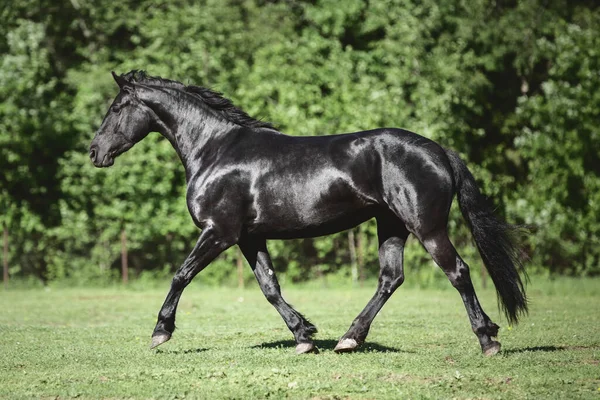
x=353, y=262
x=124, y=267
x=240, y=268
x=360, y=256
x=483, y=276
x=5, y=258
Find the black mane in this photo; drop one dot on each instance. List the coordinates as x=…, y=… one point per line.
x=214, y=100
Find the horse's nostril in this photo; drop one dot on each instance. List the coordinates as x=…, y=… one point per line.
x=93, y=154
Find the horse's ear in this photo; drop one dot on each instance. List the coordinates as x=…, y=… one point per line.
x=121, y=81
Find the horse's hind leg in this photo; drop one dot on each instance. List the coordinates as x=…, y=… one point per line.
x=444, y=254
x=392, y=235
x=255, y=251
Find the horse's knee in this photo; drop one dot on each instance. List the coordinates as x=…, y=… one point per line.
x=272, y=297
x=178, y=282
x=272, y=293
x=399, y=281
x=390, y=281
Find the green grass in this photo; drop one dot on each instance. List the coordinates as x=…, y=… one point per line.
x=93, y=343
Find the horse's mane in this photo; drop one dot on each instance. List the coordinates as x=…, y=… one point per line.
x=212, y=99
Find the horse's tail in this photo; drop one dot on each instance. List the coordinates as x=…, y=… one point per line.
x=494, y=239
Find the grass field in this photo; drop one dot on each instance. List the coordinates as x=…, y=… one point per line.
x=93, y=343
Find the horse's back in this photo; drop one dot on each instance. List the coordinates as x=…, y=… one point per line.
x=399, y=171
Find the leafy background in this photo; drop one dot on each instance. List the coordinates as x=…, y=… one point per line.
x=512, y=86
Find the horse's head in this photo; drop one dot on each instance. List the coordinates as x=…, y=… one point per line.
x=127, y=121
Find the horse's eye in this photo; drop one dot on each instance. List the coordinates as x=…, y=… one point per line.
x=115, y=109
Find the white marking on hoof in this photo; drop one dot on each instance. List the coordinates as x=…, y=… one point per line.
x=159, y=339
x=304, y=348
x=492, y=350
x=345, y=345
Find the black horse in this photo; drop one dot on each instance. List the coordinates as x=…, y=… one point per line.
x=248, y=182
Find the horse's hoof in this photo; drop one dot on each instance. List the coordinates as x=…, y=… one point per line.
x=346, y=345
x=159, y=339
x=304, y=348
x=492, y=349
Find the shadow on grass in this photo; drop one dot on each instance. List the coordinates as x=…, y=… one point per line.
x=550, y=349
x=178, y=352
x=535, y=349
x=328, y=344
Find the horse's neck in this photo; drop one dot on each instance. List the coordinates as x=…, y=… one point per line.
x=193, y=129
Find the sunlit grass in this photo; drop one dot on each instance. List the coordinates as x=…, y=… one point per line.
x=93, y=343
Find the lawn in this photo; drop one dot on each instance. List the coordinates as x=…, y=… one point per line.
x=230, y=343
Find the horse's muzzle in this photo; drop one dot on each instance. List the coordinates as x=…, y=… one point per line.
x=100, y=161
x=93, y=153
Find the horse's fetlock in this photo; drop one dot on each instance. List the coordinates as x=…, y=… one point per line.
x=311, y=329
x=492, y=329
x=489, y=329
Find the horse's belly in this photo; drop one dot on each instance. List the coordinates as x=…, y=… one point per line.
x=307, y=210
x=288, y=226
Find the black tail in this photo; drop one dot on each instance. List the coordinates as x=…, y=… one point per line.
x=494, y=239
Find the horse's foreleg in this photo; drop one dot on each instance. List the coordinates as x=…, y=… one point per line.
x=392, y=235
x=255, y=251
x=207, y=248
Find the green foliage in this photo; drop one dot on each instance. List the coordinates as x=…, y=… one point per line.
x=511, y=86
x=559, y=144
